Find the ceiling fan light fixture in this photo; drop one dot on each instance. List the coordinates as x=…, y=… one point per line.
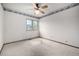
x=37, y=12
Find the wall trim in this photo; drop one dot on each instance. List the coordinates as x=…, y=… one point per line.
x=51, y=13
x=61, y=9
x=16, y=42
x=21, y=40
x=20, y=13
x=38, y=37
x=9, y=10
x=61, y=43
x=1, y=49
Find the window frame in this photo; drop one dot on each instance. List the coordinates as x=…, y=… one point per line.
x=32, y=25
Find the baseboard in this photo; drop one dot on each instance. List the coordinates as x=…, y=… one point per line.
x=61, y=43
x=16, y=41
x=21, y=40
x=1, y=49
x=38, y=37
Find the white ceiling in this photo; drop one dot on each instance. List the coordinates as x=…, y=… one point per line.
x=27, y=8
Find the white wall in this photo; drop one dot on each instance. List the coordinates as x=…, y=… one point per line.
x=15, y=27
x=62, y=26
x=1, y=26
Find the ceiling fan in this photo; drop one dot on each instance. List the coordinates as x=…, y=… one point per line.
x=39, y=8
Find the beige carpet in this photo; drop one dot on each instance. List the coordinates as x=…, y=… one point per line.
x=38, y=47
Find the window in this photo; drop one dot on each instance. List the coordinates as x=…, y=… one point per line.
x=35, y=25
x=31, y=25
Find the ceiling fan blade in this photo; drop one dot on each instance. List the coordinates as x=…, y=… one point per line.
x=41, y=11
x=37, y=7
x=44, y=7
x=34, y=5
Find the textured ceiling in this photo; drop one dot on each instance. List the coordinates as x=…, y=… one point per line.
x=27, y=8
